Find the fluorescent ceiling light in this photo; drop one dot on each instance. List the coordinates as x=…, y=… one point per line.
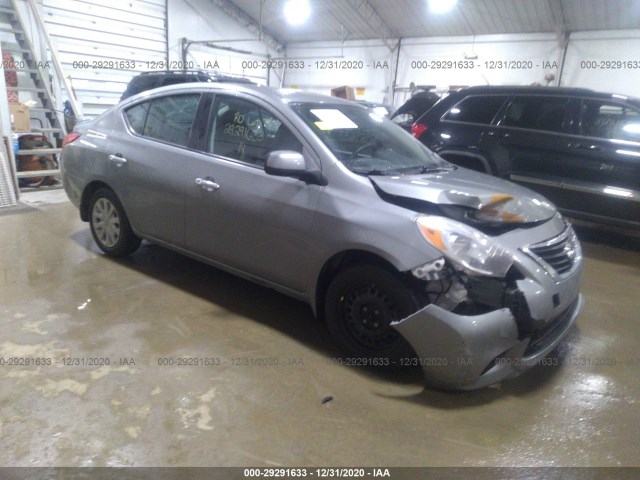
x=297, y=11
x=441, y=6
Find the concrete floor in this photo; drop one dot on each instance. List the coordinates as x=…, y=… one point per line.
x=60, y=298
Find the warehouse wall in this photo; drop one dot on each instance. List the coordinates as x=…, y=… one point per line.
x=595, y=60
x=103, y=44
x=501, y=59
x=366, y=65
x=203, y=21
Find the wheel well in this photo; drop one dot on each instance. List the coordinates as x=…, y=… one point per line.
x=472, y=162
x=88, y=192
x=339, y=262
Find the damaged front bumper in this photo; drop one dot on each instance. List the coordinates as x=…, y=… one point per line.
x=465, y=352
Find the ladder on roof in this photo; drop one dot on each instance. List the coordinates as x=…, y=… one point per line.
x=28, y=51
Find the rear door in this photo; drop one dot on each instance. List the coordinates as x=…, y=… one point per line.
x=246, y=219
x=529, y=143
x=604, y=168
x=147, y=163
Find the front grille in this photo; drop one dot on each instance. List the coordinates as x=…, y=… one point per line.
x=547, y=335
x=559, y=253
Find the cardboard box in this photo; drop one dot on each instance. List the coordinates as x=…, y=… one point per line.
x=20, y=120
x=343, y=92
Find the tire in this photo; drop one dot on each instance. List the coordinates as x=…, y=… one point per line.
x=110, y=226
x=361, y=303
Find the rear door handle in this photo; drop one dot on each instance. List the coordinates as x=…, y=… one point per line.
x=207, y=184
x=582, y=146
x=118, y=159
x=606, y=167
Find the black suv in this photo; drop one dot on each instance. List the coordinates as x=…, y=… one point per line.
x=161, y=78
x=579, y=148
x=413, y=108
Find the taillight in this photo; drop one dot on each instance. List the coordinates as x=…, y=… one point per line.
x=418, y=129
x=70, y=137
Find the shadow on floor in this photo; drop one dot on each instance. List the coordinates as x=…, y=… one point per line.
x=296, y=320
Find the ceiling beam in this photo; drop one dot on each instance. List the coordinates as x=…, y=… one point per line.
x=559, y=17
x=250, y=23
x=374, y=21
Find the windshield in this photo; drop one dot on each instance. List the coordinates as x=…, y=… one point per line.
x=365, y=142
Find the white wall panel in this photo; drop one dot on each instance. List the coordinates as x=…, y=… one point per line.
x=607, y=61
x=202, y=21
x=510, y=59
x=90, y=35
x=320, y=75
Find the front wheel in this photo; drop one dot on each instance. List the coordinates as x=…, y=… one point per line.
x=360, y=305
x=110, y=226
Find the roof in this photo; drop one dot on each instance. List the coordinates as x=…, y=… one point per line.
x=372, y=19
x=508, y=89
x=283, y=95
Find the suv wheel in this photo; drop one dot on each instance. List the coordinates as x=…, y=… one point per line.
x=110, y=226
x=361, y=303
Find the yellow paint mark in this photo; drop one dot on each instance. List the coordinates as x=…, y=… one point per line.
x=52, y=389
x=133, y=432
x=209, y=395
x=140, y=412
x=107, y=369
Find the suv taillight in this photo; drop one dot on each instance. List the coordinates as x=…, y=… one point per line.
x=70, y=137
x=418, y=129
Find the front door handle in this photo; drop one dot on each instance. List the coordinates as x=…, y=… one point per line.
x=118, y=159
x=207, y=184
x=492, y=133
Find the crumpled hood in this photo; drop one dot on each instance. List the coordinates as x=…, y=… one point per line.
x=489, y=195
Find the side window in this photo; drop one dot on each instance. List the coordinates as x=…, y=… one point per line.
x=609, y=120
x=537, y=113
x=136, y=116
x=170, y=118
x=477, y=109
x=244, y=131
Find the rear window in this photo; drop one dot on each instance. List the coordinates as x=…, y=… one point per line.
x=136, y=116
x=166, y=118
x=609, y=120
x=477, y=109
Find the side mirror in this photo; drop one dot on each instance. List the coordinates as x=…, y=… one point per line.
x=285, y=163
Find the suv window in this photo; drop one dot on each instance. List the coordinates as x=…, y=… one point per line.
x=537, y=113
x=476, y=109
x=609, y=120
x=170, y=118
x=244, y=131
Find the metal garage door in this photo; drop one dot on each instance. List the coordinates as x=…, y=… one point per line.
x=103, y=44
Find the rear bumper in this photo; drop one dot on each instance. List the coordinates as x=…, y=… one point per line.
x=467, y=352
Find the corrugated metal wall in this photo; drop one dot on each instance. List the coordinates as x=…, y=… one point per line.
x=103, y=44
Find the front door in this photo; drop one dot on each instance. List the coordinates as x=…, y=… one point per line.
x=236, y=213
x=529, y=143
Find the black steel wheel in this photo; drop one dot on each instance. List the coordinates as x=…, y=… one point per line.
x=361, y=303
x=110, y=226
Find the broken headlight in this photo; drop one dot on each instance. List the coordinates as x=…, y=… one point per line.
x=466, y=248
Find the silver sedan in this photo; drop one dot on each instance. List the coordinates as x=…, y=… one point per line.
x=411, y=260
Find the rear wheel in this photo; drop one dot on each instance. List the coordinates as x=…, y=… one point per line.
x=360, y=305
x=110, y=226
